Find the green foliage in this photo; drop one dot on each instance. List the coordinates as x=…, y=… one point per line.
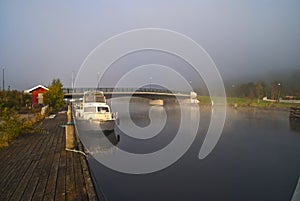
x=54, y=97
x=11, y=125
x=14, y=99
x=204, y=100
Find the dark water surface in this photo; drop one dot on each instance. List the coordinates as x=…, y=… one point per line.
x=256, y=158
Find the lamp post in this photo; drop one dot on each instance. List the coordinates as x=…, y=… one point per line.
x=278, y=85
x=98, y=77
x=150, y=82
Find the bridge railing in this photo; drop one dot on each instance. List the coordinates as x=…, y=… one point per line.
x=81, y=90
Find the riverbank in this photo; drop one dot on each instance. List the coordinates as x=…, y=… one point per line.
x=37, y=167
x=246, y=102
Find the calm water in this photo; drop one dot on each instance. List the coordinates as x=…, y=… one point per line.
x=256, y=158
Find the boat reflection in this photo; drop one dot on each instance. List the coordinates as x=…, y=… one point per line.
x=295, y=125
x=98, y=141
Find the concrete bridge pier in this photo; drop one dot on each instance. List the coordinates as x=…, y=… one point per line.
x=156, y=102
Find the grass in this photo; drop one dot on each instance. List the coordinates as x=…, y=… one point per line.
x=246, y=102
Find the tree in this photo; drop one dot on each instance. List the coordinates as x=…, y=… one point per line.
x=251, y=94
x=55, y=96
x=259, y=91
x=276, y=90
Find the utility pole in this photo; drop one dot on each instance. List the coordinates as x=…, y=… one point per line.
x=3, y=79
x=72, y=81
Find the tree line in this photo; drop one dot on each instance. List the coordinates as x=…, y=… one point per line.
x=275, y=90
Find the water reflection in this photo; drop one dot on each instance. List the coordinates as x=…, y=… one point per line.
x=96, y=141
x=257, y=158
x=295, y=125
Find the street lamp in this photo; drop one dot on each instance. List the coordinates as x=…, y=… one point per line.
x=150, y=82
x=98, y=77
x=278, y=91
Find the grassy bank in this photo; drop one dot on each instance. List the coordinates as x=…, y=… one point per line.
x=246, y=102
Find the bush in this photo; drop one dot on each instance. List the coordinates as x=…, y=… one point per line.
x=11, y=125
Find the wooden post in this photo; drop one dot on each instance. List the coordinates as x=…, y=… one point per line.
x=69, y=113
x=70, y=139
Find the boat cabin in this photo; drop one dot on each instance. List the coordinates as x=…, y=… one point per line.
x=92, y=97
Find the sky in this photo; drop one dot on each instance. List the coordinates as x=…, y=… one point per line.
x=43, y=40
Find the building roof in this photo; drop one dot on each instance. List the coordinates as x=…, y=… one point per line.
x=36, y=87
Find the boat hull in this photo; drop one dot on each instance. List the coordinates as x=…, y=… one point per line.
x=96, y=125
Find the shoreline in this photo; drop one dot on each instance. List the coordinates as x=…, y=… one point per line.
x=248, y=103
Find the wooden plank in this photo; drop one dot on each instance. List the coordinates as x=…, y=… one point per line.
x=17, y=195
x=32, y=185
x=26, y=178
x=17, y=172
x=51, y=183
x=44, y=174
x=60, y=192
x=9, y=172
x=79, y=183
x=17, y=152
x=70, y=179
x=88, y=181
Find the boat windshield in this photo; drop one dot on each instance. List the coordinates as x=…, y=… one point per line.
x=103, y=109
x=89, y=109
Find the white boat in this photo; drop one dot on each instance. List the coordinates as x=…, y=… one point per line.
x=93, y=113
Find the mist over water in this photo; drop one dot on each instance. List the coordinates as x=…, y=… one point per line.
x=257, y=158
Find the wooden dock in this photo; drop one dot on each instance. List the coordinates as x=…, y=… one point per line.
x=37, y=167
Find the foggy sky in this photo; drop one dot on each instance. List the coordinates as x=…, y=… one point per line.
x=42, y=40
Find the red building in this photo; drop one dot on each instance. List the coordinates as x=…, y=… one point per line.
x=37, y=95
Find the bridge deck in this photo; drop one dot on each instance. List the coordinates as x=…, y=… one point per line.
x=146, y=94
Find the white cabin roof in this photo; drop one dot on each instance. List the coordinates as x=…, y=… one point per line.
x=36, y=87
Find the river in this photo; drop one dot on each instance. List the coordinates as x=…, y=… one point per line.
x=256, y=158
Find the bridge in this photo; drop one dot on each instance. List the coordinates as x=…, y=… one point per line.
x=150, y=93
